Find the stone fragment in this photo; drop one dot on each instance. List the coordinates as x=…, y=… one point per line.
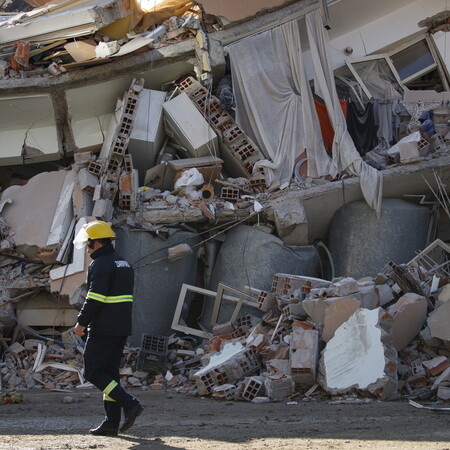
x=385, y=294
x=279, y=387
x=436, y=365
x=178, y=252
x=336, y=313
x=343, y=286
x=304, y=355
x=409, y=314
x=438, y=322
x=444, y=295
x=443, y=393
x=361, y=356
x=291, y=221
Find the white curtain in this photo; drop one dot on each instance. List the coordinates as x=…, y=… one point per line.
x=274, y=105
x=269, y=85
x=345, y=156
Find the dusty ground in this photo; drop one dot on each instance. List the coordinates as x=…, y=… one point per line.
x=175, y=421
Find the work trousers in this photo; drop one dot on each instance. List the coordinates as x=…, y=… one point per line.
x=102, y=356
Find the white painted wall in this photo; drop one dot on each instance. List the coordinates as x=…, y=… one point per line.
x=442, y=41
x=27, y=120
x=380, y=32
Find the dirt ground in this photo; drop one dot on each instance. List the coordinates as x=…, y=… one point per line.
x=176, y=421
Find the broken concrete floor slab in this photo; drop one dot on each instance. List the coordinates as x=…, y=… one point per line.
x=22, y=214
x=409, y=314
x=438, y=322
x=361, y=356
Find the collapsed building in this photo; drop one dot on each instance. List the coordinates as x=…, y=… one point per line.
x=277, y=177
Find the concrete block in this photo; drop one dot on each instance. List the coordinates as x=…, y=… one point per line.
x=443, y=393
x=253, y=387
x=223, y=328
x=290, y=221
x=285, y=284
x=224, y=392
x=178, y=252
x=279, y=387
x=343, y=286
x=444, y=294
x=278, y=366
x=436, y=365
x=361, y=356
x=385, y=294
x=336, y=313
x=22, y=215
x=409, y=152
x=103, y=209
x=438, y=322
x=87, y=181
x=368, y=296
x=189, y=128
x=147, y=135
x=82, y=203
x=304, y=355
x=409, y=314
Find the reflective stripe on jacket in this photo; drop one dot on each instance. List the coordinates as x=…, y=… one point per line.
x=108, y=306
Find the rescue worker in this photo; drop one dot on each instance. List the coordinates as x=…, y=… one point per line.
x=107, y=316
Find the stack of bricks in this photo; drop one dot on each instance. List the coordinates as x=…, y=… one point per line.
x=115, y=171
x=244, y=150
x=229, y=194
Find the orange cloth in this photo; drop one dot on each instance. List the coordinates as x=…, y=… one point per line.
x=325, y=124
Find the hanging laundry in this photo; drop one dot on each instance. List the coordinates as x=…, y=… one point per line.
x=361, y=126
x=325, y=124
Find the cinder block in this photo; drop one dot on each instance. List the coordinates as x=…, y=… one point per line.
x=229, y=193
x=224, y=392
x=252, y=388
x=204, y=384
x=304, y=355
x=279, y=387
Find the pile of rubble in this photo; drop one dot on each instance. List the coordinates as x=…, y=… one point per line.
x=382, y=338
x=51, y=40
x=55, y=364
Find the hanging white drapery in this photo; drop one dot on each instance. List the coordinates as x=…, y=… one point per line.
x=274, y=103
x=344, y=156
x=274, y=106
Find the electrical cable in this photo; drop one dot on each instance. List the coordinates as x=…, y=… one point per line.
x=235, y=223
x=36, y=334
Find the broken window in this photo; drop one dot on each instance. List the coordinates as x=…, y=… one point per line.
x=376, y=75
x=418, y=66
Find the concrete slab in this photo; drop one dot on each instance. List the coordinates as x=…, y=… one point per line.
x=47, y=311
x=22, y=215
x=337, y=312
x=438, y=322
x=361, y=356
x=409, y=314
x=28, y=130
x=147, y=135
x=304, y=356
x=189, y=128
x=290, y=220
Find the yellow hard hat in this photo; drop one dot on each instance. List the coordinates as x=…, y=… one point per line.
x=93, y=230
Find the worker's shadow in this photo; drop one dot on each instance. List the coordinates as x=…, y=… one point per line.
x=149, y=443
